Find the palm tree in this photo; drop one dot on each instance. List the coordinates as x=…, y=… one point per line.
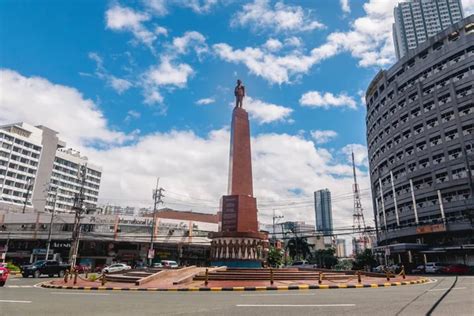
x=298, y=247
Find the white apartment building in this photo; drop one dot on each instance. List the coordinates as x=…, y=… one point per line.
x=34, y=162
x=418, y=20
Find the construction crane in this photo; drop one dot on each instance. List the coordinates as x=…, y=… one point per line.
x=358, y=224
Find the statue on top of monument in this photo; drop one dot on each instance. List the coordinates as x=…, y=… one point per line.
x=239, y=93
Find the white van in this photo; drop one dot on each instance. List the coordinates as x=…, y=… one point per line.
x=433, y=267
x=170, y=264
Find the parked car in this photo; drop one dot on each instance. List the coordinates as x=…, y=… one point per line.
x=49, y=267
x=3, y=275
x=418, y=269
x=302, y=264
x=434, y=267
x=455, y=269
x=170, y=264
x=394, y=268
x=157, y=265
x=116, y=267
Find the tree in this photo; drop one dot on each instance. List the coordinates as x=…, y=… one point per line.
x=275, y=257
x=363, y=259
x=325, y=258
x=298, y=247
x=344, y=265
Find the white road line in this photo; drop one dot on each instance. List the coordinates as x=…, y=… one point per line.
x=280, y=294
x=10, y=301
x=13, y=286
x=295, y=305
x=79, y=293
x=456, y=288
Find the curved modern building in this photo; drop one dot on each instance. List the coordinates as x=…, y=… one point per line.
x=420, y=136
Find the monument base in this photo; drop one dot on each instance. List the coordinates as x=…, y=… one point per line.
x=239, y=249
x=254, y=264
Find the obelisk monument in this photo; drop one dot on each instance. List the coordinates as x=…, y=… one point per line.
x=239, y=242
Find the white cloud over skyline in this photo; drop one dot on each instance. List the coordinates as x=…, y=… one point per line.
x=323, y=136
x=316, y=99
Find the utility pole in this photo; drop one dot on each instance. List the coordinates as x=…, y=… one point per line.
x=28, y=189
x=55, y=189
x=274, y=218
x=157, y=199
x=78, y=208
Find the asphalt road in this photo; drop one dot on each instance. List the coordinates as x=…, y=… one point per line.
x=446, y=296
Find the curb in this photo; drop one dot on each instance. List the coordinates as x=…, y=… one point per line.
x=239, y=288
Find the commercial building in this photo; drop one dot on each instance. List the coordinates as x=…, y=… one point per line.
x=418, y=20
x=178, y=235
x=420, y=136
x=341, y=248
x=323, y=210
x=34, y=162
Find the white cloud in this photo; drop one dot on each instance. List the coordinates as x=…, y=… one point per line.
x=273, y=44
x=468, y=6
x=190, y=39
x=293, y=41
x=275, y=69
x=360, y=154
x=132, y=114
x=157, y=7
x=205, y=101
x=260, y=15
x=37, y=101
x=120, y=18
x=323, y=136
x=160, y=7
x=345, y=6
x=265, y=112
x=160, y=30
x=327, y=100
x=166, y=74
x=120, y=85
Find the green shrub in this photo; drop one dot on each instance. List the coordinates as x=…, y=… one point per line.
x=12, y=267
x=93, y=277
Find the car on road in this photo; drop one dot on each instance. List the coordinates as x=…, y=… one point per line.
x=434, y=267
x=455, y=269
x=48, y=267
x=82, y=268
x=169, y=264
x=4, y=272
x=394, y=268
x=116, y=267
x=418, y=269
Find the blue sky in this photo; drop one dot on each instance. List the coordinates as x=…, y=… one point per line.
x=144, y=89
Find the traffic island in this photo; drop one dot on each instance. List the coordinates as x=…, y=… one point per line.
x=196, y=284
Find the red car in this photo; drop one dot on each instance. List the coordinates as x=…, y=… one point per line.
x=456, y=269
x=3, y=275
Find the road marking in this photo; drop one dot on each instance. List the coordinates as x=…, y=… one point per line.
x=456, y=288
x=295, y=305
x=280, y=294
x=10, y=301
x=13, y=286
x=78, y=293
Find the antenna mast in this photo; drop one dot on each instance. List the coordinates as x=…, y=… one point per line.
x=359, y=242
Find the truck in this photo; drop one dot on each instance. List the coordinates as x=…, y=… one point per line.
x=48, y=267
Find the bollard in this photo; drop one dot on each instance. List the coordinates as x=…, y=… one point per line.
x=387, y=273
x=403, y=272
x=75, y=278
x=359, y=279
x=103, y=279
x=206, y=280
x=320, y=280
x=271, y=276
x=65, y=276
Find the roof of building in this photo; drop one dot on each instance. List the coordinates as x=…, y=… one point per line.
x=186, y=215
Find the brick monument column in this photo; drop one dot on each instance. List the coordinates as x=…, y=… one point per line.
x=239, y=242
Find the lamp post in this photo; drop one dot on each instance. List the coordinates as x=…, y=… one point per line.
x=51, y=222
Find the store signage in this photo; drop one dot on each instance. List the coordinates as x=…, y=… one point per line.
x=57, y=244
x=431, y=229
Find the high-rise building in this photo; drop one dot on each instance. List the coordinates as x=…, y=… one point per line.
x=420, y=136
x=340, y=248
x=418, y=20
x=323, y=210
x=34, y=162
